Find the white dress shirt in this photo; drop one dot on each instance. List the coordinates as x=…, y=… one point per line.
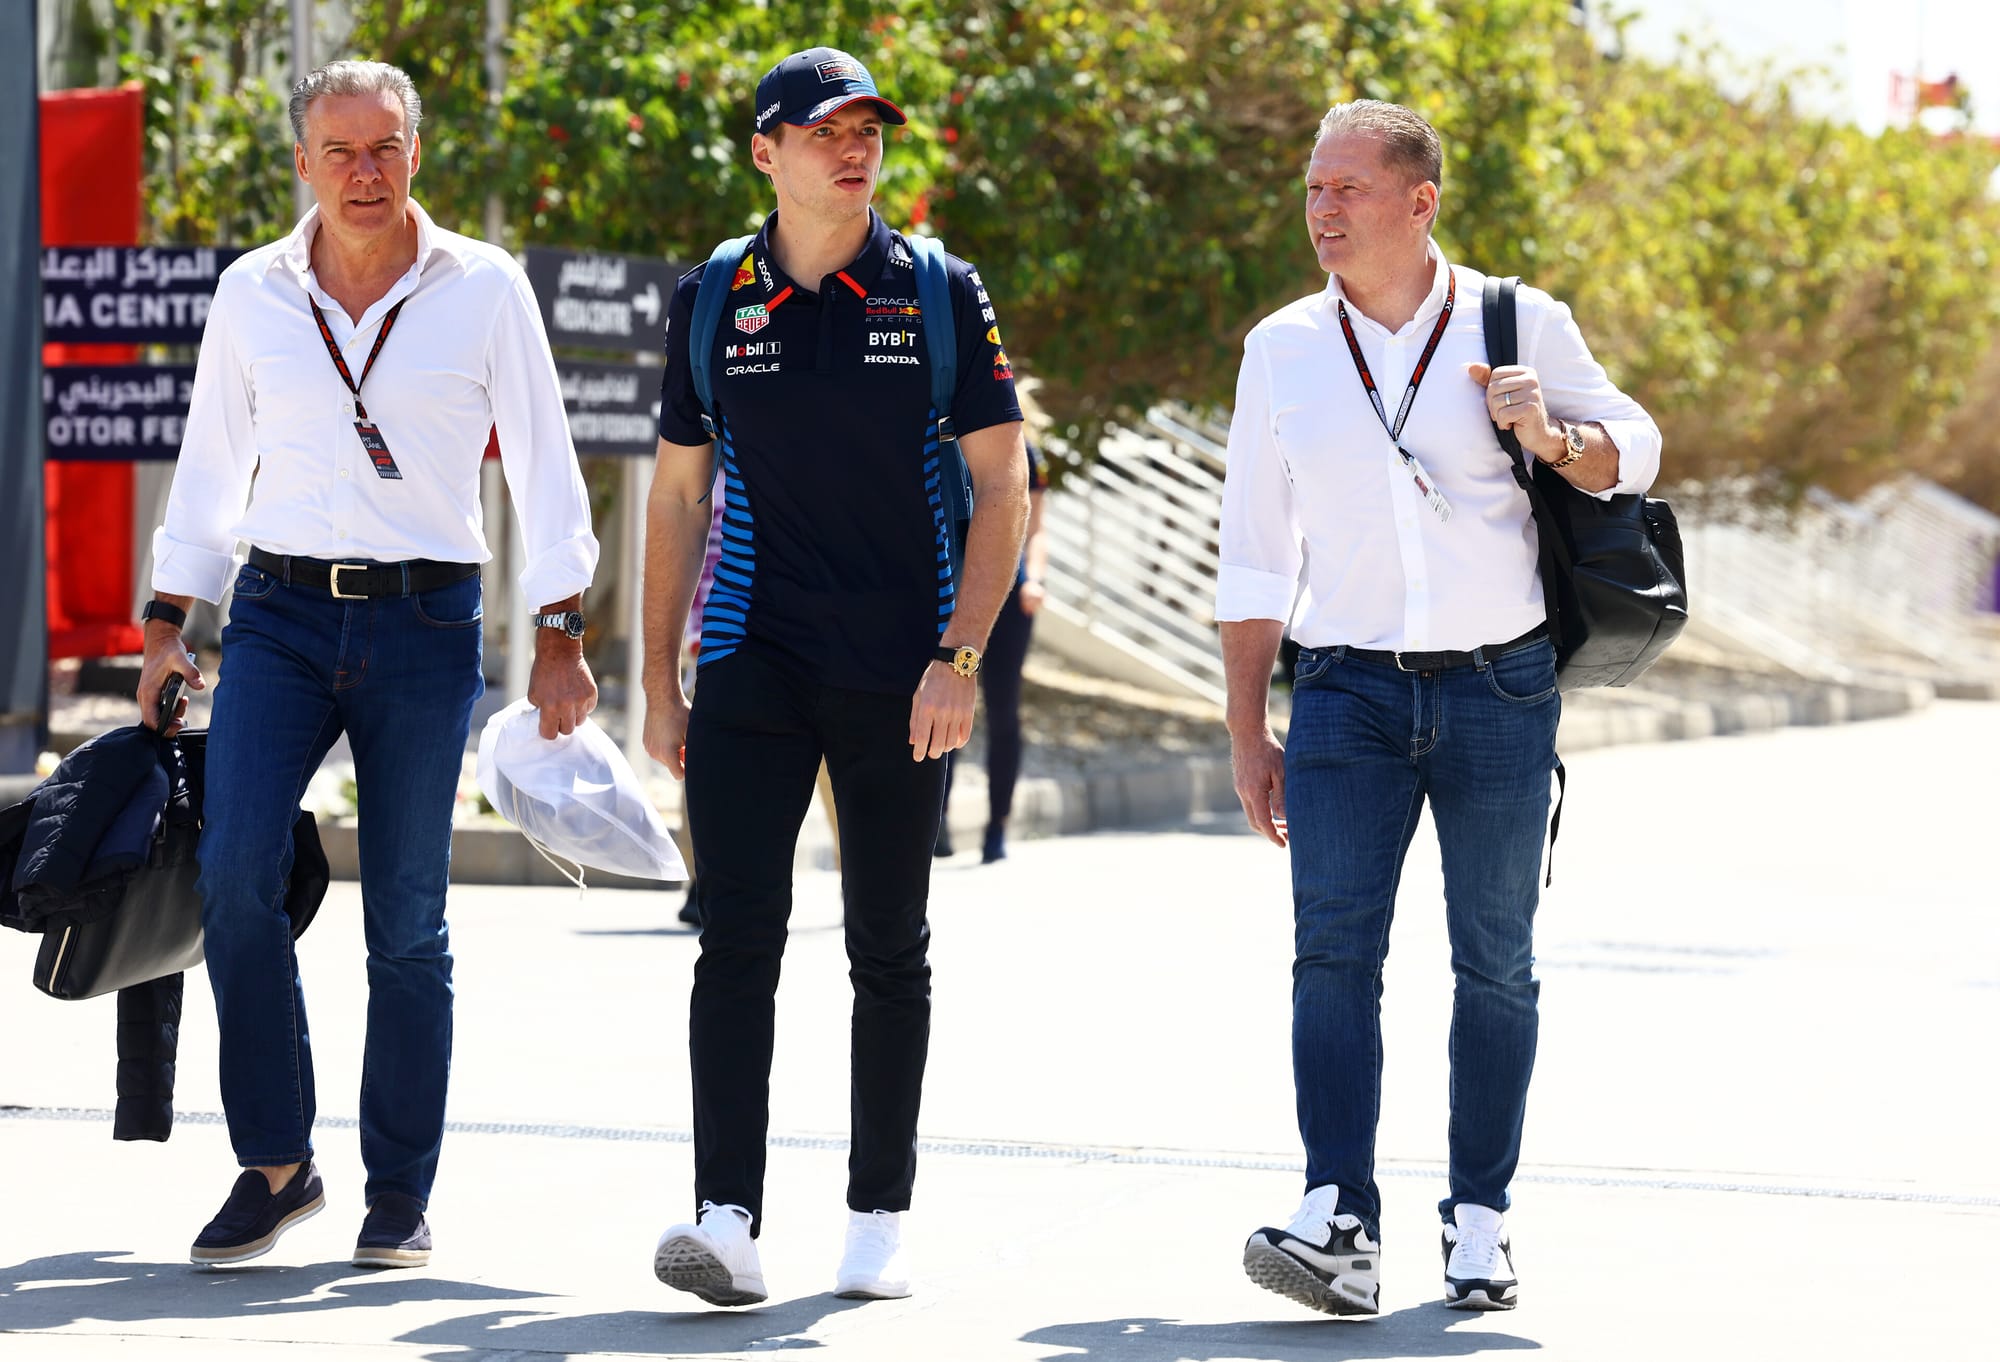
x=1314, y=481
x=271, y=456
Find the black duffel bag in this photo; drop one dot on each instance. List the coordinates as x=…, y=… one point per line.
x=1613, y=574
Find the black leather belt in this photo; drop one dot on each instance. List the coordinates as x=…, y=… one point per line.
x=361, y=581
x=1447, y=659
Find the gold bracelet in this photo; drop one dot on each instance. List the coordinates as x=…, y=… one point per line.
x=1569, y=459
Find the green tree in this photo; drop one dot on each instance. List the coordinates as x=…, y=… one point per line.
x=1796, y=301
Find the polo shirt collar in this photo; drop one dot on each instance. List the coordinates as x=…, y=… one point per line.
x=1426, y=311
x=864, y=269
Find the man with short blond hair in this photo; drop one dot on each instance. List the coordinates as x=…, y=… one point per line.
x=1362, y=453
x=349, y=374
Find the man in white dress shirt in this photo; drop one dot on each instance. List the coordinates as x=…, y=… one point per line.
x=1362, y=453
x=348, y=376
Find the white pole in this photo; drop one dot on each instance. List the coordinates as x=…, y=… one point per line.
x=635, y=622
x=302, y=63
x=520, y=633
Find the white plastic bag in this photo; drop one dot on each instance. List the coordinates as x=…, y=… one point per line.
x=574, y=796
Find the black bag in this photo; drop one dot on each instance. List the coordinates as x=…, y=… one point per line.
x=155, y=929
x=1613, y=573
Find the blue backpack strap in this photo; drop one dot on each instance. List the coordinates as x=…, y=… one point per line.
x=710, y=298
x=941, y=340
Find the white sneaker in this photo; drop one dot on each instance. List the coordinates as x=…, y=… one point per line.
x=1323, y=1260
x=1478, y=1261
x=873, y=1267
x=714, y=1258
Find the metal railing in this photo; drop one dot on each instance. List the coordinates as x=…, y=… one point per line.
x=1901, y=581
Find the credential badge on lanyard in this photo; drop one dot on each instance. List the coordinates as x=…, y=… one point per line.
x=1426, y=485
x=370, y=433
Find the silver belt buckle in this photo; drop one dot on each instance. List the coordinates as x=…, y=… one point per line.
x=333, y=580
x=1398, y=655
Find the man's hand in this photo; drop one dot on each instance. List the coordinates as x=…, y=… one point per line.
x=666, y=731
x=1514, y=402
x=1030, y=594
x=561, y=687
x=941, y=713
x=166, y=655
x=1258, y=763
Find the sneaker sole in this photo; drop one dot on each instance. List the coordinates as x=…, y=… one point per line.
x=391, y=1257
x=256, y=1248
x=1276, y=1270
x=872, y=1291
x=688, y=1265
x=1479, y=1295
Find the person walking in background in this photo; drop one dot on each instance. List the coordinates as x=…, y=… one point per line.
x=838, y=629
x=1362, y=450
x=348, y=377
x=1000, y=681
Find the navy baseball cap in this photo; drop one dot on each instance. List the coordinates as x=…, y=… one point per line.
x=811, y=86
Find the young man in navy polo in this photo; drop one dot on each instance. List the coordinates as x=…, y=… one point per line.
x=836, y=629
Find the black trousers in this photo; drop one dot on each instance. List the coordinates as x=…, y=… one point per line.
x=1000, y=680
x=755, y=739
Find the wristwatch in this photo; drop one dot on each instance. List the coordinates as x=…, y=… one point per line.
x=964, y=661
x=1573, y=440
x=569, y=621
x=164, y=610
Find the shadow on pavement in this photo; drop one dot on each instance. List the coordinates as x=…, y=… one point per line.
x=107, y=1285
x=661, y=1332
x=1418, y=1331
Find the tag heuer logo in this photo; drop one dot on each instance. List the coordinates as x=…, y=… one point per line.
x=750, y=320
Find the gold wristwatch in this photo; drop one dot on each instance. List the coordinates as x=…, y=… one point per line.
x=1573, y=442
x=964, y=661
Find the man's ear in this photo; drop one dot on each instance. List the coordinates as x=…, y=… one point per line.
x=761, y=149
x=299, y=161
x=1425, y=203
x=416, y=151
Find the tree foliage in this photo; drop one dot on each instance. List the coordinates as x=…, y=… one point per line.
x=1793, y=299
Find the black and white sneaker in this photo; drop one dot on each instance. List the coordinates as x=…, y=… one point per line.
x=1323, y=1260
x=1478, y=1261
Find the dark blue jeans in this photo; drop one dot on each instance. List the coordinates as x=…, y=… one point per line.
x=1368, y=745
x=399, y=676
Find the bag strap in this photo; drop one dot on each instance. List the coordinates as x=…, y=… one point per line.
x=941, y=341
x=1503, y=346
x=711, y=296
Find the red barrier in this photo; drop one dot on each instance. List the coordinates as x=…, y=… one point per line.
x=91, y=173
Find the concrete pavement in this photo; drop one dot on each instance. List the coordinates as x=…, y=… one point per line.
x=1761, y=1126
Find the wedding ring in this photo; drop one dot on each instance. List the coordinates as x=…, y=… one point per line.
x=1507, y=401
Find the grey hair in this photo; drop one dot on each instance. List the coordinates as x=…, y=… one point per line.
x=355, y=78
x=1409, y=143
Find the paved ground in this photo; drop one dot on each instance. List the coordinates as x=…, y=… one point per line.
x=1762, y=1125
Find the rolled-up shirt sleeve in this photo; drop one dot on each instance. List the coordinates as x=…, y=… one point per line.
x=1576, y=388
x=1261, y=548
x=537, y=455
x=194, y=549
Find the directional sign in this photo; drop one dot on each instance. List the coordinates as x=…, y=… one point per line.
x=612, y=408
x=129, y=294
x=602, y=302
x=116, y=411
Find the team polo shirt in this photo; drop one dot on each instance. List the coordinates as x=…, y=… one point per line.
x=830, y=527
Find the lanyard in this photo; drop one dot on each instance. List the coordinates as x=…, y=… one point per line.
x=1425, y=484
x=371, y=435
x=341, y=365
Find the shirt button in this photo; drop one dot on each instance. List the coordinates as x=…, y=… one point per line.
x=340, y=534
x=1418, y=584
x=343, y=472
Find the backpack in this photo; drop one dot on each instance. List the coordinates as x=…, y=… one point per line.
x=948, y=480
x=1613, y=575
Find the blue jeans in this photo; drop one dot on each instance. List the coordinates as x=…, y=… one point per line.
x=1368, y=744
x=398, y=675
